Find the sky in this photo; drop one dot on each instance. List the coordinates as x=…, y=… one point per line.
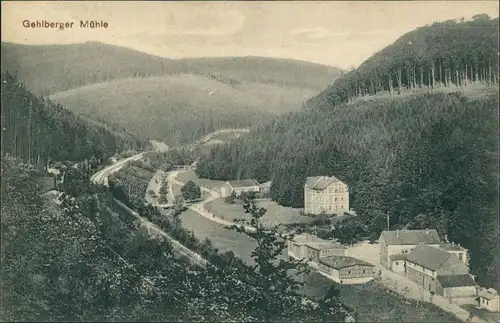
x=335, y=33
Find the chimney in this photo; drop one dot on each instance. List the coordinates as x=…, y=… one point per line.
x=427, y=231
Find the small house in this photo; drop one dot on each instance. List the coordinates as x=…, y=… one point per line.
x=489, y=299
x=238, y=187
x=346, y=270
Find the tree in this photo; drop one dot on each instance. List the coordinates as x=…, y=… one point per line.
x=190, y=191
x=231, y=198
x=163, y=199
x=164, y=189
x=178, y=206
x=279, y=298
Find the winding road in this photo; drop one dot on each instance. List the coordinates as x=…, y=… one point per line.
x=200, y=206
x=101, y=177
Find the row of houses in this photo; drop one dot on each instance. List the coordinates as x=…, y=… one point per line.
x=322, y=194
x=329, y=257
x=441, y=268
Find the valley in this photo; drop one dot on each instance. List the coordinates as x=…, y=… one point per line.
x=236, y=187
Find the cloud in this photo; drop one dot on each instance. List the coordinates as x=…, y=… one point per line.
x=203, y=21
x=322, y=32
x=316, y=32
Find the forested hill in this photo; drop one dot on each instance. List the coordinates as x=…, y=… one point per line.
x=48, y=69
x=447, y=53
x=429, y=160
x=36, y=130
x=425, y=158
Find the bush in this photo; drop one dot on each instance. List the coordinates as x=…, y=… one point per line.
x=230, y=199
x=163, y=199
x=164, y=189
x=190, y=191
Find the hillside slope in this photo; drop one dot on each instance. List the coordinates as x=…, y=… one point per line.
x=184, y=107
x=36, y=130
x=450, y=53
x=47, y=69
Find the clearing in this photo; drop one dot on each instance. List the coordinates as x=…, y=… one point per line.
x=190, y=175
x=275, y=215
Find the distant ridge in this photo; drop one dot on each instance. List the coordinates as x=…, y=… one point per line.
x=48, y=69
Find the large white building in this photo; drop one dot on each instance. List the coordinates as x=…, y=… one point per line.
x=324, y=194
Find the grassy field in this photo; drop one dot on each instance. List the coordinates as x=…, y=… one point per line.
x=223, y=239
x=178, y=107
x=177, y=191
x=275, y=215
x=191, y=176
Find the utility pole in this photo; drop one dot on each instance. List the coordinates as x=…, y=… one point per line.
x=387, y=222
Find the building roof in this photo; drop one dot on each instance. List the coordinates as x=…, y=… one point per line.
x=456, y=280
x=489, y=293
x=436, y=259
x=305, y=237
x=266, y=184
x=339, y=262
x=243, y=183
x=317, y=245
x=410, y=237
x=321, y=182
x=398, y=257
x=451, y=247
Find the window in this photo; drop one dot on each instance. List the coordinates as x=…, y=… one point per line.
x=349, y=272
x=397, y=264
x=363, y=271
x=460, y=256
